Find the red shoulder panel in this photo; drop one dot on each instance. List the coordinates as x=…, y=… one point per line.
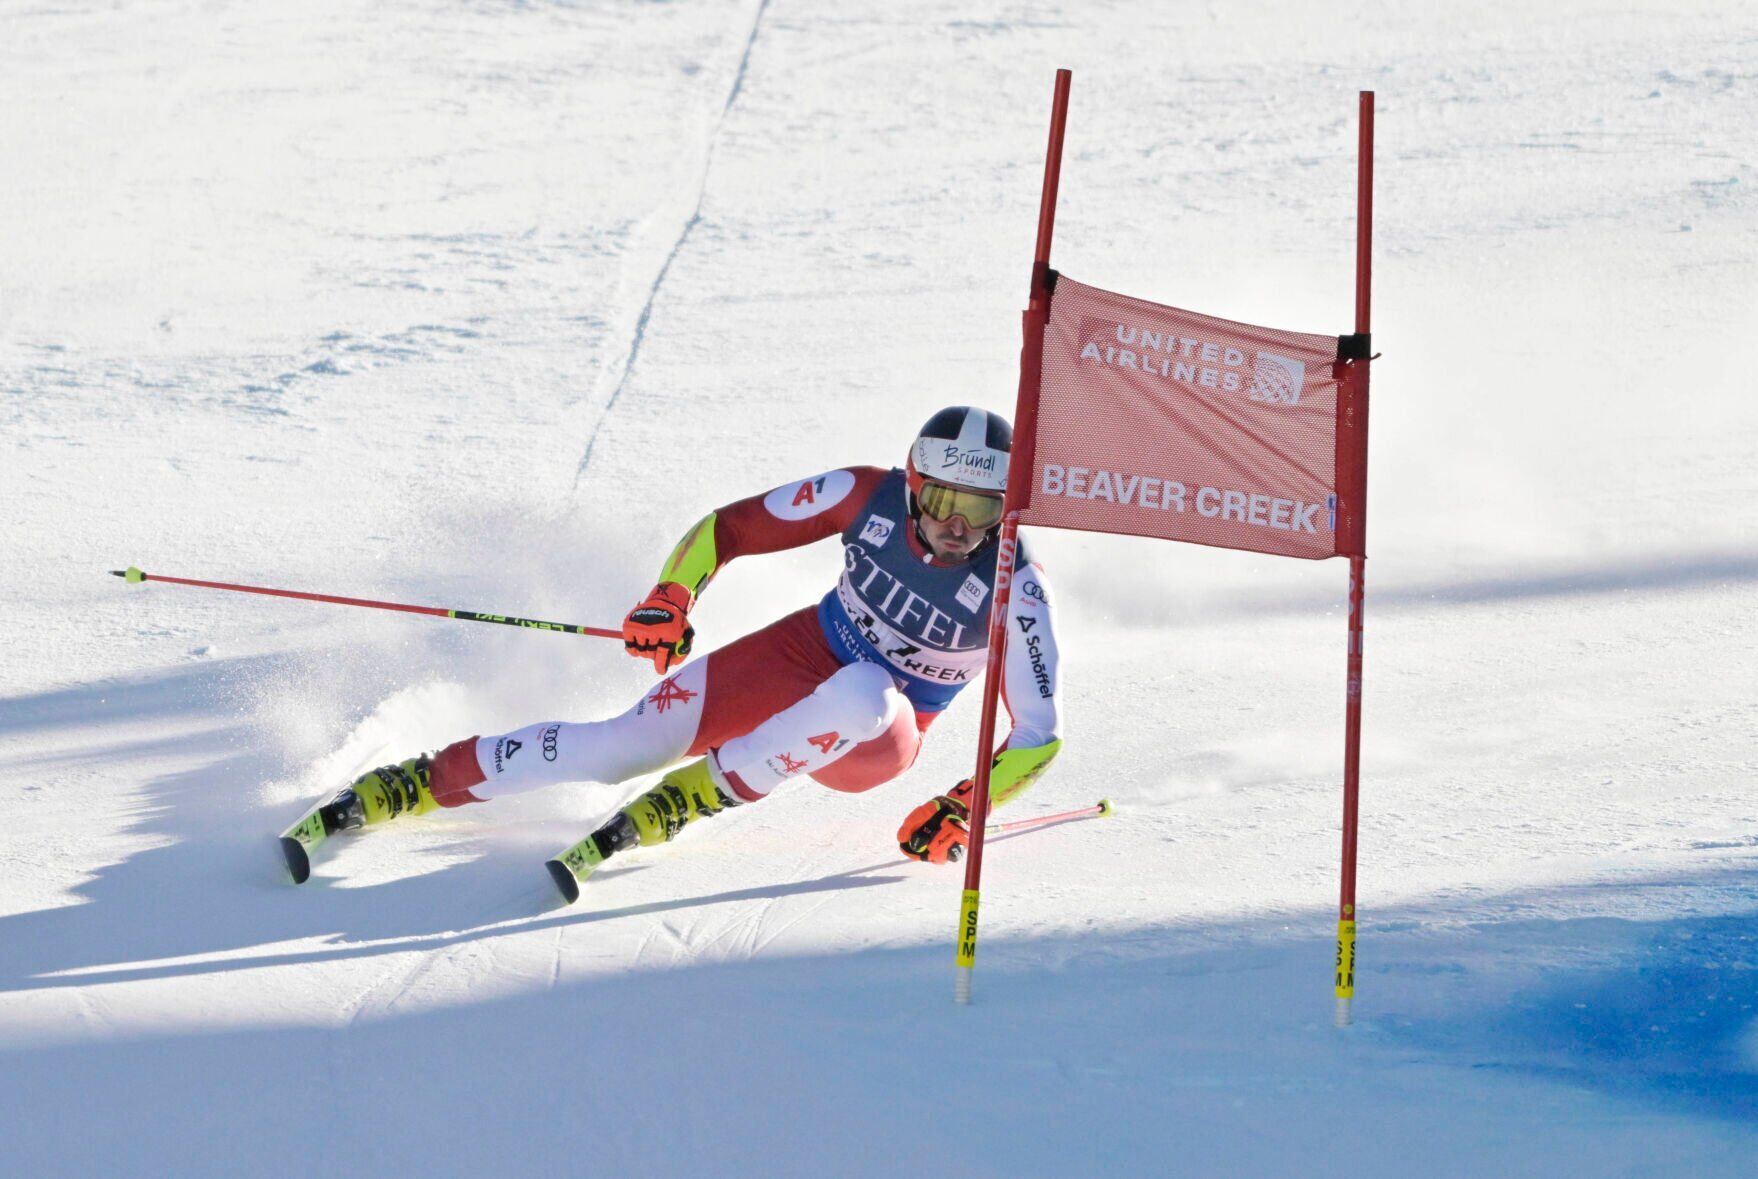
x=794, y=514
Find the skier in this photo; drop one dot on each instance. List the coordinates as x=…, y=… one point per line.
x=841, y=692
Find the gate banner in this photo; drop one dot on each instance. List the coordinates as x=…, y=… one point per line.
x=1152, y=421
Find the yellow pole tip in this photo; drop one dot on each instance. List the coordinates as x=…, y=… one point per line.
x=134, y=575
x=1106, y=810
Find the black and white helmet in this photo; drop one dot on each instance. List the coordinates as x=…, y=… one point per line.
x=961, y=446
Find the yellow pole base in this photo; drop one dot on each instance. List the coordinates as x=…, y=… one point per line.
x=1345, y=972
x=967, y=947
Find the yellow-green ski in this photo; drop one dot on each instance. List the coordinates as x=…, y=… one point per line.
x=570, y=869
x=685, y=794
x=299, y=840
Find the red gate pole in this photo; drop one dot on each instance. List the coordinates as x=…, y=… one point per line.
x=1355, y=424
x=1031, y=365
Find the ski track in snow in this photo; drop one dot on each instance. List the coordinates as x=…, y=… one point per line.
x=555, y=961
x=639, y=335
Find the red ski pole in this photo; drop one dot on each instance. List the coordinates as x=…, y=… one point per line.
x=1099, y=810
x=133, y=575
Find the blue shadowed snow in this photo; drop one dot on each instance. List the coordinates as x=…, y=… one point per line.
x=1670, y=1018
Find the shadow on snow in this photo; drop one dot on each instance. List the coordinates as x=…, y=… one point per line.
x=1138, y=1037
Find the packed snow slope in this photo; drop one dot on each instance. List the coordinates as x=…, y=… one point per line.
x=482, y=304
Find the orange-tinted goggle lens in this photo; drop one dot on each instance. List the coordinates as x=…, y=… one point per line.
x=943, y=503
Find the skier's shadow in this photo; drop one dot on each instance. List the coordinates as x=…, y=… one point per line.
x=213, y=889
x=366, y=912
x=407, y=896
x=208, y=890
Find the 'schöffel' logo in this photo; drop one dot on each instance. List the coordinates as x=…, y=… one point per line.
x=549, y=736
x=513, y=747
x=1040, y=673
x=1277, y=379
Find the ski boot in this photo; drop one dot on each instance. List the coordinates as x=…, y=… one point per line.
x=390, y=791
x=684, y=795
x=373, y=797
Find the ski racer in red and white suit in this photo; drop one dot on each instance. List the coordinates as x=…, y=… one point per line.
x=840, y=692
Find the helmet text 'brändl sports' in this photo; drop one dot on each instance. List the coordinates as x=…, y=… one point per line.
x=960, y=451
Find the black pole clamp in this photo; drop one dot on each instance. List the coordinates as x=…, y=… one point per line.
x=1358, y=346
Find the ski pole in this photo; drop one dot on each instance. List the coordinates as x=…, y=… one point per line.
x=1099, y=810
x=133, y=575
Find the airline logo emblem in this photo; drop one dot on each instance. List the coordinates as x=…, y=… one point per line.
x=1276, y=379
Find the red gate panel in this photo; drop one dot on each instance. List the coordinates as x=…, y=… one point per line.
x=1153, y=421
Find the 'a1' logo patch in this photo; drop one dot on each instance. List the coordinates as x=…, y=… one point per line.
x=972, y=593
x=809, y=497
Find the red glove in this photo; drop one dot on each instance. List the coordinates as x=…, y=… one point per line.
x=939, y=830
x=659, y=628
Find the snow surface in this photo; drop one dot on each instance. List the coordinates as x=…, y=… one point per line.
x=481, y=304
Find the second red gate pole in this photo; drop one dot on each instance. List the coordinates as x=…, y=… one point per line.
x=1354, y=458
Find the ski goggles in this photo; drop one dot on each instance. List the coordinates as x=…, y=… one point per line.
x=979, y=510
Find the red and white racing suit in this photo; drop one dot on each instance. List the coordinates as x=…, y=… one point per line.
x=841, y=692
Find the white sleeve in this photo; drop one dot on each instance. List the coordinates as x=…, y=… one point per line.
x=1030, y=680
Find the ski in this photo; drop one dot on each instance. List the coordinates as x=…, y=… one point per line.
x=570, y=869
x=315, y=826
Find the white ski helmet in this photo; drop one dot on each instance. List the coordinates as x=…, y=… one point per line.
x=960, y=446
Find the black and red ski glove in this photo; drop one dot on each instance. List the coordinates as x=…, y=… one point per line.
x=659, y=628
x=939, y=830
